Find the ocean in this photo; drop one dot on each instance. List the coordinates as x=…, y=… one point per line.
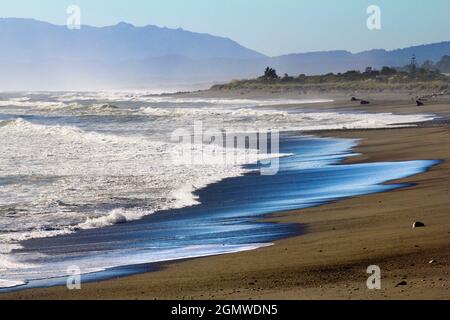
x=96, y=181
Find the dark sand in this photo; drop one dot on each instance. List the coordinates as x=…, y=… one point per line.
x=342, y=239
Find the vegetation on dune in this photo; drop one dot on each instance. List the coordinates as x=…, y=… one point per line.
x=410, y=77
x=443, y=65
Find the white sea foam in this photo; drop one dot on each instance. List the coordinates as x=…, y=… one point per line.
x=114, y=259
x=100, y=262
x=27, y=103
x=149, y=97
x=7, y=262
x=62, y=178
x=246, y=119
x=233, y=114
x=11, y=283
x=184, y=196
x=116, y=216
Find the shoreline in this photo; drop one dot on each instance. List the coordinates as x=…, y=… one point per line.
x=251, y=276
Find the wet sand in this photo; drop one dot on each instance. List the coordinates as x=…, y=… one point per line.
x=342, y=239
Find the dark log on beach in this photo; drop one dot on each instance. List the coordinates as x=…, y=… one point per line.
x=402, y=283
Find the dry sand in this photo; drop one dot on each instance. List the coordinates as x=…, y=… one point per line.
x=342, y=239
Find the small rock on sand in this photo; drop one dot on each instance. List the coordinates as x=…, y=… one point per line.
x=418, y=224
x=402, y=283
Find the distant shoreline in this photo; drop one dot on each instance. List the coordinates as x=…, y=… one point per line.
x=387, y=81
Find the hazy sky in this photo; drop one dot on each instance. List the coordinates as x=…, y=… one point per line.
x=272, y=27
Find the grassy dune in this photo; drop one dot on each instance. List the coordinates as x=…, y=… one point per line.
x=389, y=79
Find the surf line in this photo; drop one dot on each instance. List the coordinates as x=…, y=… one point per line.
x=266, y=143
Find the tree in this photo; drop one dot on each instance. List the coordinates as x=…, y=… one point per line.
x=386, y=71
x=352, y=75
x=428, y=65
x=287, y=78
x=270, y=74
x=444, y=64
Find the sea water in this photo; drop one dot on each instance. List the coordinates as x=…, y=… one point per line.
x=88, y=179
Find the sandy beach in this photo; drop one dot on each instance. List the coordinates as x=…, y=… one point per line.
x=341, y=240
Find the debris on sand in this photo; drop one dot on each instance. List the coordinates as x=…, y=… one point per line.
x=418, y=224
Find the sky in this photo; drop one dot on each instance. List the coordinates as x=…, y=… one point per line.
x=272, y=27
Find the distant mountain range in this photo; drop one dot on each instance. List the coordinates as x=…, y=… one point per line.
x=41, y=56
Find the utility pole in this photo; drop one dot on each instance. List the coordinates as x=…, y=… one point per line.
x=413, y=65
